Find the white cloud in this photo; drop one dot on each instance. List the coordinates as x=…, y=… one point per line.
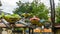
x=46, y=2
x=9, y=5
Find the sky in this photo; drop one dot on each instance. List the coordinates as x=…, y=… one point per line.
x=9, y=5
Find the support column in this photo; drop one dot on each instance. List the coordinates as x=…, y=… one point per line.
x=29, y=30
x=32, y=30
x=0, y=30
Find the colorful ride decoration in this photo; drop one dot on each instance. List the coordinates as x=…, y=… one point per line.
x=26, y=15
x=12, y=18
x=35, y=21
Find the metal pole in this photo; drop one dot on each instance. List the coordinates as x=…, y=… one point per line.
x=52, y=4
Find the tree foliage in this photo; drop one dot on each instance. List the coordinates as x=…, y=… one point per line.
x=34, y=8
x=58, y=14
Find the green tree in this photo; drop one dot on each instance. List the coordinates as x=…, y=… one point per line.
x=58, y=14
x=34, y=8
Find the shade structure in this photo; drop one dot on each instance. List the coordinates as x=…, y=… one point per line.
x=12, y=18
x=2, y=25
x=34, y=20
x=25, y=14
